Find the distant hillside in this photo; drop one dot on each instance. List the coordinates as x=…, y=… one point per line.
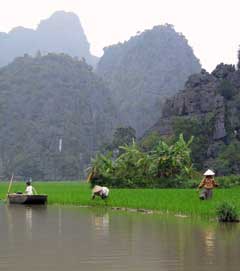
x=45, y=99
x=61, y=33
x=145, y=70
x=208, y=109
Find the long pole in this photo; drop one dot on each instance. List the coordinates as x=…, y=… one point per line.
x=10, y=184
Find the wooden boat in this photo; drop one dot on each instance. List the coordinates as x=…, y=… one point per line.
x=27, y=199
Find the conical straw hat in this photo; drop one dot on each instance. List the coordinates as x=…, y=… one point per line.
x=96, y=189
x=209, y=172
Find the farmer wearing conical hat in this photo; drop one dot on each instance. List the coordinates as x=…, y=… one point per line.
x=100, y=191
x=207, y=183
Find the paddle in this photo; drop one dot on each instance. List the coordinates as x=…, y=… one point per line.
x=9, y=187
x=89, y=178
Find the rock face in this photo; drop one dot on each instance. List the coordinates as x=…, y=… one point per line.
x=198, y=99
x=145, y=70
x=46, y=100
x=61, y=33
x=207, y=98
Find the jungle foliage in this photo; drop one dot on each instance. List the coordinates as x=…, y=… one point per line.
x=121, y=136
x=201, y=129
x=164, y=166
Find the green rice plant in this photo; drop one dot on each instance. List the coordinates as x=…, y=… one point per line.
x=174, y=201
x=227, y=212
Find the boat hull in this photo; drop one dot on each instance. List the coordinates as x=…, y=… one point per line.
x=27, y=199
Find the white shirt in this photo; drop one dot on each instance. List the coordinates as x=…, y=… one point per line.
x=105, y=191
x=29, y=190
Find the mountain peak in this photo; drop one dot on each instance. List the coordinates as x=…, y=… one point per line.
x=62, y=32
x=62, y=19
x=144, y=70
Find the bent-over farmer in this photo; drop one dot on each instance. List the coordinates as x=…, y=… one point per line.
x=207, y=183
x=100, y=191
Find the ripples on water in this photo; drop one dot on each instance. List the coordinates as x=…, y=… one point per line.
x=57, y=239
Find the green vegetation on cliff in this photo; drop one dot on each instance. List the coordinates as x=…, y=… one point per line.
x=208, y=109
x=45, y=100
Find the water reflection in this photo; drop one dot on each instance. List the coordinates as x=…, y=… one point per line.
x=209, y=240
x=9, y=219
x=28, y=215
x=230, y=230
x=100, y=220
x=59, y=220
x=20, y=218
x=60, y=239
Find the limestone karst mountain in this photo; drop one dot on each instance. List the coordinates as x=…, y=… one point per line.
x=144, y=70
x=45, y=100
x=61, y=33
x=208, y=109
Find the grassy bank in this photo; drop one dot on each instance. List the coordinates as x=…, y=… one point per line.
x=183, y=201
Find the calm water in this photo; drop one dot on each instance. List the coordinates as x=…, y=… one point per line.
x=65, y=238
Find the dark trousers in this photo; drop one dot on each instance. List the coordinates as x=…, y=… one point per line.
x=206, y=194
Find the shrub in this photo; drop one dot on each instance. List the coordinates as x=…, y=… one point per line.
x=229, y=181
x=226, y=212
x=228, y=159
x=164, y=166
x=201, y=129
x=150, y=141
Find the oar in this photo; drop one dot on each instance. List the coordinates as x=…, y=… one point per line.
x=9, y=187
x=89, y=178
x=90, y=175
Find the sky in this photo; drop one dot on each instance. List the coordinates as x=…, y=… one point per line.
x=210, y=26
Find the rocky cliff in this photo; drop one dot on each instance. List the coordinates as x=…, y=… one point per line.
x=144, y=70
x=61, y=33
x=208, y=108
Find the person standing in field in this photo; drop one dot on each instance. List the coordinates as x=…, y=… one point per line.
x=207, y=183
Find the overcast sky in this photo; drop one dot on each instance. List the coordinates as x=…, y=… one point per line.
x=212, y=27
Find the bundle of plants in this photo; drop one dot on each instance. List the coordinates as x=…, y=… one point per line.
x=226, y=212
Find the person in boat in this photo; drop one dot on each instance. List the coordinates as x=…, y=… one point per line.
x=100, y=191
x=30, y=190
x=207, y=183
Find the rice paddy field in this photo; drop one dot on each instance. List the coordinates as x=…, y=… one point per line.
x=176, y=201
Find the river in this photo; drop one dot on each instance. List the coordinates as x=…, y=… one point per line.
x=73, y=238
